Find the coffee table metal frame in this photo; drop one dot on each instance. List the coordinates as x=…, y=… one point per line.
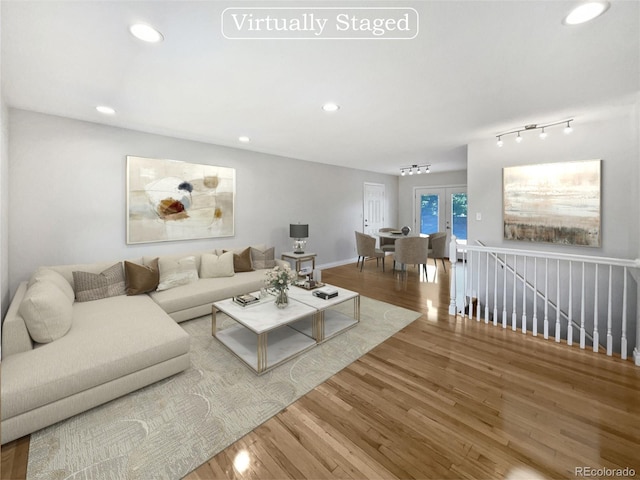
x=306, y=322
x=255, y=323
x=328, y=322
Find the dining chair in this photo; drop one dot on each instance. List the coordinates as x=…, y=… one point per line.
x=412, y=250
x=387, y=244
x=366, y=247
x=439, y=248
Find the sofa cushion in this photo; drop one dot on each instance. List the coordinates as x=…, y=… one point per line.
x=208, y=290
x=261, y=259
x=110, y=339
x=47, y=312
x=91, y=286
x=141, y=278
x=241, y=260
x=174, y=273
x=214, y=266
x=56, y=278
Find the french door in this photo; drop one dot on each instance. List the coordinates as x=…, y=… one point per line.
x=441, y=209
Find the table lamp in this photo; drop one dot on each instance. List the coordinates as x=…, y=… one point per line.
x=299, y=232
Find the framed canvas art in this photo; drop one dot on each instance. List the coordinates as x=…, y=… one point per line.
x=553, y=203
x=171, y=200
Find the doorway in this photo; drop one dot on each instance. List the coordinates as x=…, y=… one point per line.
x=374, y=207
x=441, y=209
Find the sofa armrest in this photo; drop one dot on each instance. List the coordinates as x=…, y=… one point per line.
x=15, y=336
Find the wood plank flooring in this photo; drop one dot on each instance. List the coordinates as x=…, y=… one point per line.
x=444, y=398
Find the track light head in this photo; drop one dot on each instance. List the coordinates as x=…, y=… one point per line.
x=533, y=126
x=568, y=128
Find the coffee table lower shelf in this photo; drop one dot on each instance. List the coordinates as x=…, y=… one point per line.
x=261, y=355
x=330, y=323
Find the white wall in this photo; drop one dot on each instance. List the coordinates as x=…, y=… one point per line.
x=4, y=208
x=408, y=184
x=613, y=139
x=67, y=195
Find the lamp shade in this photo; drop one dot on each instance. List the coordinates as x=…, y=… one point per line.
x=298, y=230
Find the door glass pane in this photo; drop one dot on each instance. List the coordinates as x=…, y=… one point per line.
x=459, y=215
x=429, y=209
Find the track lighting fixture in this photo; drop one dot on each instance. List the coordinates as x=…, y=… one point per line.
x=417, y=168
x=533, y=126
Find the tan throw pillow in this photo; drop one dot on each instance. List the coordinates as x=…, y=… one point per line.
x=141, y=278
x=94, y=286
x=214, y=266
x=177, y=272
x=261, y=259
x=47, y=312
x=242, y=260
x=54, y=277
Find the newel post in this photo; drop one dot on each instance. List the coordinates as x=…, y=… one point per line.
x=453, y=260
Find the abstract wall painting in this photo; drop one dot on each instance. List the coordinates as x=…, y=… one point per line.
x=553, y=203
x=171, y=200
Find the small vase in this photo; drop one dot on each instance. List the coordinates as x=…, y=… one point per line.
x=282, y=299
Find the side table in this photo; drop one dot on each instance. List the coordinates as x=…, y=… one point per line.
x=299, y=258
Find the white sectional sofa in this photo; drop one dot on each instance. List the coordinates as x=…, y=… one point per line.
x=112, y=346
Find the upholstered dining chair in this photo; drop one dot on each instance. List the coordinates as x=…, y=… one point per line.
x=387, y=244
x=366, y=247
x=412, y=250
x=439, y=248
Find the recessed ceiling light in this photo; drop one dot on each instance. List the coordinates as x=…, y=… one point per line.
x=244, y=139
x=330, y=107
x=585, y=12
x=146, y=33
x=105, y=110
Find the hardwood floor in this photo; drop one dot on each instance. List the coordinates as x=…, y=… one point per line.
x=444, y=398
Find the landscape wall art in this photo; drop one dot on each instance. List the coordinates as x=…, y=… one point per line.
x=553, y=203
x=173, y=200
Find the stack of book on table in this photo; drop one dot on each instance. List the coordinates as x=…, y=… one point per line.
x=326, y=293
x=246, y=299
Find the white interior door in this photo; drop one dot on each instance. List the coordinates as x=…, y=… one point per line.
x=374, y=206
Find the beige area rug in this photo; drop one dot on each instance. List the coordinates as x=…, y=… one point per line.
x=168, y=429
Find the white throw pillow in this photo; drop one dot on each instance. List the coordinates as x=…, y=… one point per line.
x=54, y=277
x=47, y=312
x=177, y=272
x=214, y=266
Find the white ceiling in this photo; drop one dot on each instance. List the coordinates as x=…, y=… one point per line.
x=476, y=68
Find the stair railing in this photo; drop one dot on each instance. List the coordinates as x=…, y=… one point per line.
x=597, y=297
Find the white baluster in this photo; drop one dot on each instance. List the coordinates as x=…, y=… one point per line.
x=486, y=290
x=609, y=318
x=478, y=290
x=470, y=279
x=504, y=292
x=524, y=297
x=546, y=298
x=534, y=318
x=558, y=301
x=570, y=319
x=495, y=290
x=453, y=260
x=582, y=313
x=623, y=340
x=467, y=282
x=596, y=334
x=514, y=317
